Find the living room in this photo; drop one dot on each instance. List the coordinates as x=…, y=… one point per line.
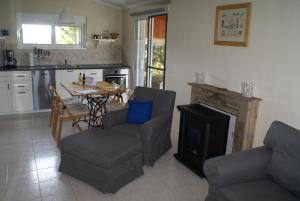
x=30, y=156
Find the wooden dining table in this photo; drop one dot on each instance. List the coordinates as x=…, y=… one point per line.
x=94, y=98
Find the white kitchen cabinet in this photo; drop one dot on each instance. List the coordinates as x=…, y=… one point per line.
x=21, y=77
x=65, y=76
x=5, y=95
x=22, y=99
x=97, y=74
x=69, y=76
x=16, y=91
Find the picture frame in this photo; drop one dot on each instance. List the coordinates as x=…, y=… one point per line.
x=232, y=24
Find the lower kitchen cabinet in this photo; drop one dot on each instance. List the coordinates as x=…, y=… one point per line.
x=22, y=97
x=16, y=94
x=16, y=91
x=5, y=96
x=65, y=76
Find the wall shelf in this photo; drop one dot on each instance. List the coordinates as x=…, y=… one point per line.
x=106, y=41
x=2, y=37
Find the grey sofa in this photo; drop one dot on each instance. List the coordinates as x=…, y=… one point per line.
x=267, y=173
x=111, y=157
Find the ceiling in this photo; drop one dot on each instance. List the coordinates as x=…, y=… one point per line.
x=124, y=3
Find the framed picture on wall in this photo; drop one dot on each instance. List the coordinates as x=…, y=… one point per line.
x=232, y=24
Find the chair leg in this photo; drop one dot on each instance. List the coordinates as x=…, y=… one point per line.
x=54, y=126
x=51, y=119
x=77, y=125
x=58, y=136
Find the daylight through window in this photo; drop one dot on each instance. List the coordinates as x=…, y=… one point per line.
x=44, y=31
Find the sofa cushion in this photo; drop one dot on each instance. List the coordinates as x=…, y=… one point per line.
x=139, y=111
x=259, y=190
x=285, y=163
x=104, y=148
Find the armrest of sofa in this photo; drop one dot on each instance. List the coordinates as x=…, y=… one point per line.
x=237, y=167
x=113, y=118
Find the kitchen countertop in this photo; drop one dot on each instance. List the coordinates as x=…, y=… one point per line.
x=64, y=67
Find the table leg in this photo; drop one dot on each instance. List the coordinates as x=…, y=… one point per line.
x=96, y=105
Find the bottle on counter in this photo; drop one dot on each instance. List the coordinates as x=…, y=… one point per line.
x=83, y=79
x=80, y=79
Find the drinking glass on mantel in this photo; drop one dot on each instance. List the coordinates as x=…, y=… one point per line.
x=199, y=77
x=247, y=89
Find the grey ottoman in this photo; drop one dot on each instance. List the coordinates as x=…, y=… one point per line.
x=105, y=160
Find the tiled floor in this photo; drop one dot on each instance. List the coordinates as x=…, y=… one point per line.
x=29, y=161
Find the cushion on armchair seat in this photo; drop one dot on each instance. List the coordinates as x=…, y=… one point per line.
x=258, y=190
x=133, y=130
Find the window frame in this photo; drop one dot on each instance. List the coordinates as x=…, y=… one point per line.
x=52, y=20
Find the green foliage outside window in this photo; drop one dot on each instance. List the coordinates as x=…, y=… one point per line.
x=157, y=76
x=68, y=35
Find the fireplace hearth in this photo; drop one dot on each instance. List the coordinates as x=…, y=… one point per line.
x=203, y=134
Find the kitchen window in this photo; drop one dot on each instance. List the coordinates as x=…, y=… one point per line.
x=36, y=34
x=42, y=30
x=68, y=35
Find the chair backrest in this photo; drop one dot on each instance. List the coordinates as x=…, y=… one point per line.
x=163, y=100
x=57, y=101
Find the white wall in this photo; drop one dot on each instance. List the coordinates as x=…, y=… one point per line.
x=272, y=59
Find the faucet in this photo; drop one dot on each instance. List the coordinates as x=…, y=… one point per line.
x=66, y=62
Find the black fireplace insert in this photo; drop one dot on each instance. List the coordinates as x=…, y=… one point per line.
x=202, y=134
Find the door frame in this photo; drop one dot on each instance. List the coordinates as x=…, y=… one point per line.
x=149, y=51
x=135, y=73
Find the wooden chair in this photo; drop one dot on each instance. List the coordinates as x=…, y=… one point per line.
x=61, y=112
x=117, y=102
x=53, y=102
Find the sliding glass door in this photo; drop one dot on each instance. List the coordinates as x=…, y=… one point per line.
x=151, y=51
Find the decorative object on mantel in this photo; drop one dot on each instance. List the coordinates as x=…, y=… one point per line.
x=232, y=24
x=199, y=77
x=245, y=109
x=247, y=88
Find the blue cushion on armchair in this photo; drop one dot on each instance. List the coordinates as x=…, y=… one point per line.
x=139, y=111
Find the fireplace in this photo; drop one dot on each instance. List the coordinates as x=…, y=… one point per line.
x=203, y=134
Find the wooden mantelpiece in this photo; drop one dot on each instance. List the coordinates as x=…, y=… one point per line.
x=245, y=109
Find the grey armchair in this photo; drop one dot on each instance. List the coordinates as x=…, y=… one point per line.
x=110, y=158
x=267, y=173
x=154, y=134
